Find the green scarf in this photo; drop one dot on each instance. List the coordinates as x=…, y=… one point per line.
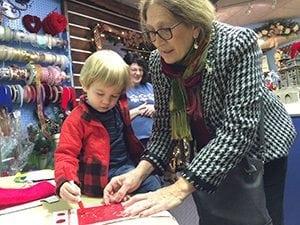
x=184, y=89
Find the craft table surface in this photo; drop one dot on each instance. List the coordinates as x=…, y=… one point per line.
x=42, y=215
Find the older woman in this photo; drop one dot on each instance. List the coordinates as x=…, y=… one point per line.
x=208, y=88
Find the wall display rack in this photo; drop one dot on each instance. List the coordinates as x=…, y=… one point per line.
x=36, y=71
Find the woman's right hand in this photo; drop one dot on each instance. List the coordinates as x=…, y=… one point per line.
x=137, y=111
x=148, y=110
x=118, y=188
x=70, y=192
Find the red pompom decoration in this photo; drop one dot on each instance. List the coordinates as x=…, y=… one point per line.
x=54, y=23
x=32, y=23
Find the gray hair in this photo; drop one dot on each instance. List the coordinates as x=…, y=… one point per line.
x=198, y=13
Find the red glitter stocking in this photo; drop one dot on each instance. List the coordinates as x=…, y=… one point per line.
x=99, y=214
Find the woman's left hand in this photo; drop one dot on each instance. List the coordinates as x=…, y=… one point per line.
x=153, y=202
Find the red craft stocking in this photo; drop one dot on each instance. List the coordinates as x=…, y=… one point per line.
x=99, y=214
x=16, y=196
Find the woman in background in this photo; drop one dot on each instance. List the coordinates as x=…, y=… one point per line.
x=140, y=98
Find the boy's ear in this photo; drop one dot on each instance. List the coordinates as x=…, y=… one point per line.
x=83, y=88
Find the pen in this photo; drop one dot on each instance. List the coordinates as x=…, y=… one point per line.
x=80, y=204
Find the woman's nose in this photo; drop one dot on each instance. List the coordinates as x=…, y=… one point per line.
x=139, y=72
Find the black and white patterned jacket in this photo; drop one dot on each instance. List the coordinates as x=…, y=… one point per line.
x=231, y=93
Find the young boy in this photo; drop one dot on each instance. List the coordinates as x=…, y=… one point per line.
x=96, y=141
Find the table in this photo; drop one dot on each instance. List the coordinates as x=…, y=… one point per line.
x=43, y=214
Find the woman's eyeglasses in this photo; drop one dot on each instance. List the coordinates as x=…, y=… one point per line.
x=163, y=33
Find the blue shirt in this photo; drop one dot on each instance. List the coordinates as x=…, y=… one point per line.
x=138, y=95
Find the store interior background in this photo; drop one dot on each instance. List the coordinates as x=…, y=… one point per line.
x=117, y=23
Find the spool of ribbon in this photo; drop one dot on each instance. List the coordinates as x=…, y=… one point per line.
x=6, y=98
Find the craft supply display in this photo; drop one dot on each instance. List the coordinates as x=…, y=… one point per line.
x=36, y=40
x=34, y=84
x=23, y=55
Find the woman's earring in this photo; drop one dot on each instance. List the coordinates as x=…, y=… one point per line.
x=196, y=46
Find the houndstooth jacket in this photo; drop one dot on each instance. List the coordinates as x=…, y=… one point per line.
x=231, y=96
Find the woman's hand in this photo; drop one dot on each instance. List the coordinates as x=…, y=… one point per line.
x=118, y=188
x=137, y=111
x=148, y=110
x=70, y=192
x=163, y=199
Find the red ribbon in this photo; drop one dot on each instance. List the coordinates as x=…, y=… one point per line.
x=32, y=23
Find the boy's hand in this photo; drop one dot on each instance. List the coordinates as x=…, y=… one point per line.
x=70, y=192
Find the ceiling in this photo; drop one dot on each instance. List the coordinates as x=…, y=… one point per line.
x=245, y=12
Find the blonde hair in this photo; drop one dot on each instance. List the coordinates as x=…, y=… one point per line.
x=106, y=67
x=199, y=13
